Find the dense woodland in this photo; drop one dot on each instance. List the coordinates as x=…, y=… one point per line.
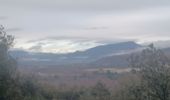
x=150, y=80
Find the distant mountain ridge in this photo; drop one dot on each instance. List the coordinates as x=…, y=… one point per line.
x=104, y=50
x=100, y=53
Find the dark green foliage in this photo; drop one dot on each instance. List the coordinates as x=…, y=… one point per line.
x=154, y=68
x=150, y=80
x=112, y=75
x=12, y=86
x=100, y=91
x=8, y=69
x=15, y=87
x=97, y=92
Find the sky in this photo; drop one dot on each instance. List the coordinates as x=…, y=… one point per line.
x=63, y=26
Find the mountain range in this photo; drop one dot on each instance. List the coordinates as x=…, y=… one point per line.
x=109, y=55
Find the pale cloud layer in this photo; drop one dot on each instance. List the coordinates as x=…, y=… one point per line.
x=58, y=45
x=94, y=20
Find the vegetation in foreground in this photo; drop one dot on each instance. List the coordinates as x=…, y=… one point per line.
x=150, y=80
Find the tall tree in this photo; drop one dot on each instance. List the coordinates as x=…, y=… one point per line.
x=8, y=67
x=154, y=68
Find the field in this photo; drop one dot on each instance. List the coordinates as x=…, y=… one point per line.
x=75, y=76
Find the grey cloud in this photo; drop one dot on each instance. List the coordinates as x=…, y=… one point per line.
x=96, y=28
x=62, y=46
x=3, y=17
x=13, y=29
x=160, y=27
x=162, y=44
x=58, y=38
x=88, y=4
x=37, y=47
x=80, y=40
x=102, y=21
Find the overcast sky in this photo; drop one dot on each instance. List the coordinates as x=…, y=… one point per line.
x=69, y=25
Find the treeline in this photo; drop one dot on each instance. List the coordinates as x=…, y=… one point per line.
x=150, y=80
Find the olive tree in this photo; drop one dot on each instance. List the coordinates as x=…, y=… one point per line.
x=8, y=69
x=154, y=69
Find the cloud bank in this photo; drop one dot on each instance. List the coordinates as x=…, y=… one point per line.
x=139, y=20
